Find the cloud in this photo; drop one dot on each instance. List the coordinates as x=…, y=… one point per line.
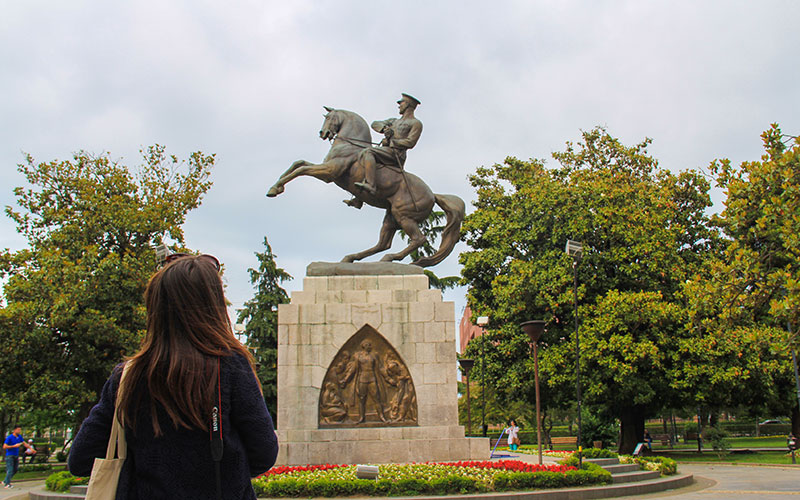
x=247, y=80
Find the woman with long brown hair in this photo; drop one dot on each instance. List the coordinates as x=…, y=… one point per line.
x=189, y=370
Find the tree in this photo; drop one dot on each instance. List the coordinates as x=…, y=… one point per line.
x=743, y=300
x=644, y=232
x=432, y=228
x=75, y=295
x=260, y=316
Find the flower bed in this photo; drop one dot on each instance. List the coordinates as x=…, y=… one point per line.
x=424, y=478
x=666, y=466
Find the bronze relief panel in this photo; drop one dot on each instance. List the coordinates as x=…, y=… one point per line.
x=367, y=385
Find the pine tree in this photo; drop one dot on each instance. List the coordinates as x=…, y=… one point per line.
x=260, y=316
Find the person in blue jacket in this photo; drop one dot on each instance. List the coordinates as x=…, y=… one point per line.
x=11, y=445
x=189, y=376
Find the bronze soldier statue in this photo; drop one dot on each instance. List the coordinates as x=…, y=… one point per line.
x=400, y=135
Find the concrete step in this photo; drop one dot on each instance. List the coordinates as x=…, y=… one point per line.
x=78, y=489
x=621, y=468
x=49, y=495
x=630, y=477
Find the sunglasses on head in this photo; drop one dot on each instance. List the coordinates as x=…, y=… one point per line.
x=207, y=257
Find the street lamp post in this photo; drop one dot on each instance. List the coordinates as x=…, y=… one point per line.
x=534, y=330
x=239, y=329
x=575, y=250
x=482, y=322
x=466, y=366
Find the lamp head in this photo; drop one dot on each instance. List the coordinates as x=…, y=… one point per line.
x=466, y=364
x=533, y=329
x=574, y=249
x=482, y=321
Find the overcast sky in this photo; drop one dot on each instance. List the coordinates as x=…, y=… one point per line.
x=247, y=80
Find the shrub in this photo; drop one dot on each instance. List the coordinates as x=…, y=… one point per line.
x=666, y=466
x=599, y=453
x=425, y=479
x=60, y=482
x=716, y=438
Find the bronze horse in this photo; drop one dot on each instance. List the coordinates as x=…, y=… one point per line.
x=407, y=199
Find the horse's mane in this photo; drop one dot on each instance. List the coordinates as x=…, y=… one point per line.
x=362, y=130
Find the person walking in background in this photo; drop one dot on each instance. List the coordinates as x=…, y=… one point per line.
x=189, y=374
x=12, y=445
x=513, y=436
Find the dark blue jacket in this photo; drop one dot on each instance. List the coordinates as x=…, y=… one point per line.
x=178, y=465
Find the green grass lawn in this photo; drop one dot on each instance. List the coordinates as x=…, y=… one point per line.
x=761, y=457
x=737, y=442
x=34, y=474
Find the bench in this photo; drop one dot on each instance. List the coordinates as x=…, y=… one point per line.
x=664, y=438
x=564, y=440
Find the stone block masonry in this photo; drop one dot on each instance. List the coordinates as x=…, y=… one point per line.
x=315, y=325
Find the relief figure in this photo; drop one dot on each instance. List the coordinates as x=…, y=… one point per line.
x=369, y=375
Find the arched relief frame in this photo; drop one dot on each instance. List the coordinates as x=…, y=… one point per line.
x=367, y=385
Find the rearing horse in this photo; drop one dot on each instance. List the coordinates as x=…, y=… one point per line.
x=407, y=199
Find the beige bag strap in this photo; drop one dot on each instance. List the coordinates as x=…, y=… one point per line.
x=116, y=442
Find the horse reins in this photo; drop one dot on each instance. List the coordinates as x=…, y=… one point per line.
x=354, y=142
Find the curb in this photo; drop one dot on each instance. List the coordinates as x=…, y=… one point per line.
x=609, y=491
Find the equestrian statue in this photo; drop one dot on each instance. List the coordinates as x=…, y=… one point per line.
x=375, y=174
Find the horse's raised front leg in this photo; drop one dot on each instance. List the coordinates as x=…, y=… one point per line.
x=415, y=239
x=324, y=171
x=388, y=229
x=277, y=188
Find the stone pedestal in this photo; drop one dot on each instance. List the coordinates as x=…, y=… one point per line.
x=419, y=326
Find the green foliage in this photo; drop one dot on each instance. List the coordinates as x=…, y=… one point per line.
x=260, y=316
x=598, y=453
x=740, y=301
x=666, y=466
x=716, y=437
x=449, y=485
x=29, y=467
x=597, y=426
x=589, y=473
x=432, y=228
x=60, y=482
x=762, y=263
x=74, y=296
x=644, y=232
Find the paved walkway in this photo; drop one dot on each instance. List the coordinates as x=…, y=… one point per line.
x=745, y=482
x=20, y=489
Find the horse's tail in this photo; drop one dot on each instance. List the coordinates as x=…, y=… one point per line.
x=454, y=210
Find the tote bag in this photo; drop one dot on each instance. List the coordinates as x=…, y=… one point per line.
x=105, y=471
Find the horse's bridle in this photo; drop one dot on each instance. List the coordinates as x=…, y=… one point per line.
x=359, y=143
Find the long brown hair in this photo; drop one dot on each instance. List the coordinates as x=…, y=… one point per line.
x=188, y=328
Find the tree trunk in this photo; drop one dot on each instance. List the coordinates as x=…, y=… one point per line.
x=631, y=429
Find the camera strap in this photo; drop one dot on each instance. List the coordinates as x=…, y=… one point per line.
x=215, y=431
